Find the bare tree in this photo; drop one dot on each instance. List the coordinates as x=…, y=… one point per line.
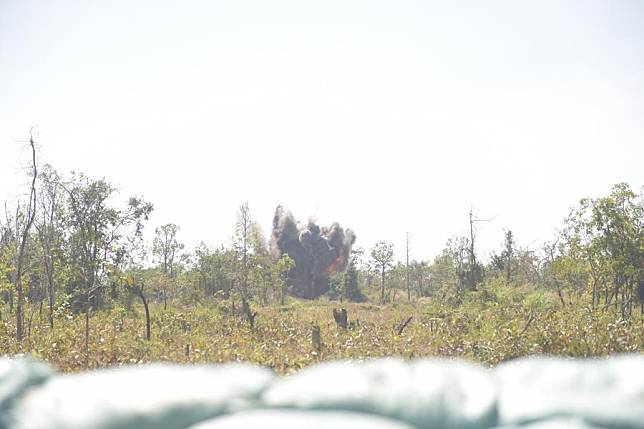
x=475, y=271
x=407, y=268
x=139, y=290
x=24, y=221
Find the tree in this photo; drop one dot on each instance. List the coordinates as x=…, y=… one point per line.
x=382, y=256
x=98, y=235
x=562, y=270
x=24, y=221
x=527, y=267
x=264, y=280
x=474, y=270
x=7, y=250
x=91, y=224
x=139, y=289
x=397, y=280
x=215, y=272
x=508, y=255
x=50, y=231
x=242, y=237
x=132, y=273
x=350, y=283
x=421, y=276
x=165, y=247
x=607, y=234
x=457, y=256
x=505, y=261
x=407, y=267
x=283, y=266
x=445, y=277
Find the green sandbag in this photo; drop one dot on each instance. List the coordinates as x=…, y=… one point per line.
x=155, y=396
x=294, y=419
x=602, y=392
x=17, y=376
x=425, y=393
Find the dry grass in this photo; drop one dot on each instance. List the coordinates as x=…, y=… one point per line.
x=483, y=332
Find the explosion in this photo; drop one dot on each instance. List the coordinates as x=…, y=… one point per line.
x=317, y=252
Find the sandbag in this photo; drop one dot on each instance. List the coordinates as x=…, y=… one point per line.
x=426, y=393
x=530, y=393
x=294, y=419
x=603, y=392
x=556, y=423
x=156, y=396
x=17, y=376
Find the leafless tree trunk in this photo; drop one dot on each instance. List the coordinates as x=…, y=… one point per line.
x=140, y=292
x=475, y=275
x=407, y=269
x=87, y=310
x=550, y=249
x=20, y=257
x=382, y=285
x=48, y=243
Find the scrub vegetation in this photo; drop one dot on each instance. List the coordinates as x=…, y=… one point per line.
x=80, y=287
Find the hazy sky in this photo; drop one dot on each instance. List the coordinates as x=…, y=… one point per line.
x=385, y=116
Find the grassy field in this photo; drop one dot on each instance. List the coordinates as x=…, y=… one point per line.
x=483, y=331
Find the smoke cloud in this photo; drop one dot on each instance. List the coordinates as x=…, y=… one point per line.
x=317, y=252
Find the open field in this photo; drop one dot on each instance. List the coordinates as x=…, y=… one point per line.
x=487, y=332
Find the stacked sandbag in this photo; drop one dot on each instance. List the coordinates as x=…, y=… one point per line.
x=554, y=423
x=608, y=393
x=17, y=376
x=531, y=393
x=148, y=397
x=426, y=393
x=298, y=419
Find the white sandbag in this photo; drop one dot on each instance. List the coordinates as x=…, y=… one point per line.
x=16, y=377
x=425, y=393
x=156, y=396
x=557, y=423
x=300, y=419
x=606, y=392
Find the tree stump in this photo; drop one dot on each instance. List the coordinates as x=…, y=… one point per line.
x=250, y=315
x=340, y=316
x=316, y=339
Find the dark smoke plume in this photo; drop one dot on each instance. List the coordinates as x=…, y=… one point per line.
x=317, y=252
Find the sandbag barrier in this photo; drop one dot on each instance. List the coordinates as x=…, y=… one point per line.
x=534, y=393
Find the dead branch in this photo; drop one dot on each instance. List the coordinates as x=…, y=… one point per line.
x=401, y=326
x=531, y=319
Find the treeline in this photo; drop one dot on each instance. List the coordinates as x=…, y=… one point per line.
x=598, y=254
x=73, y=245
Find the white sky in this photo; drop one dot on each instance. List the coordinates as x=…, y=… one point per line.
x=385, y=116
